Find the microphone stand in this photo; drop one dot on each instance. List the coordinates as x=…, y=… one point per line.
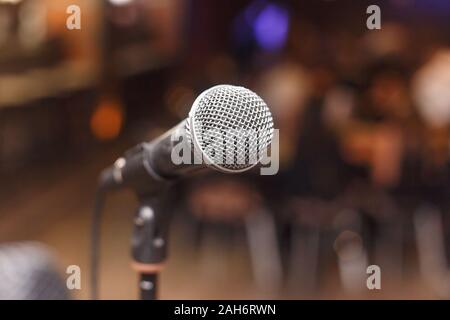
x=152, y=218
x=149, y=241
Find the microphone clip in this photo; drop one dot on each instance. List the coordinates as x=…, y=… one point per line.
x=149, y=240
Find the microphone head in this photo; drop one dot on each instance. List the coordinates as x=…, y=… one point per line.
x=230, y=127
x=28, y=272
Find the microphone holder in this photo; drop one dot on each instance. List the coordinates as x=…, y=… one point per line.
x=149, y=239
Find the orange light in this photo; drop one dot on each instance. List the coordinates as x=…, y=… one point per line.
x=106, y=121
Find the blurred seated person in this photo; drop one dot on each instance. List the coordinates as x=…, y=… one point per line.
x=430, y=90
x=377, y=133
x=310, y=161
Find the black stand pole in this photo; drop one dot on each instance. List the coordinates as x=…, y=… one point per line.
x=149, y=243
x=148, y=286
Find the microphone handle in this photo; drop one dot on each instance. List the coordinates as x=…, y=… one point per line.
x=160, y=157
x=147, y=165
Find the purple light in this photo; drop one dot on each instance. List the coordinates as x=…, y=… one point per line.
x=271, y=27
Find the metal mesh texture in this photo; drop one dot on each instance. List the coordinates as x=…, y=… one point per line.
x=27, y=273
x=232, y=126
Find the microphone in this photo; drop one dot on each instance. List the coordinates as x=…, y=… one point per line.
x=228, y=129
x=28, y=272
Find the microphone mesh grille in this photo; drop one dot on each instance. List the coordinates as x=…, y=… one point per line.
x=27, y=272
x=232, y=126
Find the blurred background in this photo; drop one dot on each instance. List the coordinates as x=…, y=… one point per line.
x=364, y=119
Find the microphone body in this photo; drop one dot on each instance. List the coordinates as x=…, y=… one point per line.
x=227, y=128
x=148, y=164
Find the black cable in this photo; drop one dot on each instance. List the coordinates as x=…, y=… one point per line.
x=95, y=239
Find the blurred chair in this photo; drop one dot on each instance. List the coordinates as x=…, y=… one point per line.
x=317, y=227
x=363, y=227
x=430, y=243
x=228, y=204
